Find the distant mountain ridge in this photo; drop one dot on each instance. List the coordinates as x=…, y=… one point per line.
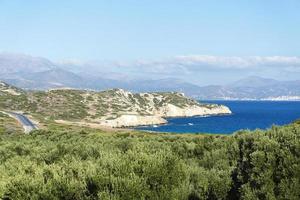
x=41, y=74
x=252, y=88
x=254, y=81
x=19, y=63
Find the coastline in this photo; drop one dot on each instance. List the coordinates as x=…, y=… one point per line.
x=177, y=117
x=135, y=121
x=161, y=116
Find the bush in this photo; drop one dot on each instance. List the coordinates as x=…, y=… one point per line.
x=135, y=165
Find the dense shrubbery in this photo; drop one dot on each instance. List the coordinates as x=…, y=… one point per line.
x=8, y=125
x=96, y=165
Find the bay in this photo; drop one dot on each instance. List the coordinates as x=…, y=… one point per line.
x=245, y=115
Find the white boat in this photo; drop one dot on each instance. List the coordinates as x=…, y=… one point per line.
x=190, y=124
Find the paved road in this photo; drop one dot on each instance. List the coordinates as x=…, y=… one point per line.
x=26, y=123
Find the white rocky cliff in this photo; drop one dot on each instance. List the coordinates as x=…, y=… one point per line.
x=154, y=108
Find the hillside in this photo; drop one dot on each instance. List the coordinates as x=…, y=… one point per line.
x=112, y=108
x=72, y=163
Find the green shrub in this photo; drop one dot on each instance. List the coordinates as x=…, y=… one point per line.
x=89, y=164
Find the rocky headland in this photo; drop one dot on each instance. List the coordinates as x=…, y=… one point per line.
x=110, y=108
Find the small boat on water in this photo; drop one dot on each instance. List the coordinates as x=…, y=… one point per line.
x=154, y=126
x=190, y=124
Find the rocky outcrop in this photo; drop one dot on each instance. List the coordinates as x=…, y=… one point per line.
x=8, y=90
x=134, y=120
x=152, y=108
x=168, y=111
x=194, y=110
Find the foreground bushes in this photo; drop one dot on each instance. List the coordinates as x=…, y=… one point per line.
x=89, y=165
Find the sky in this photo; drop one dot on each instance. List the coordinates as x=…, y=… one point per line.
x=155, y=32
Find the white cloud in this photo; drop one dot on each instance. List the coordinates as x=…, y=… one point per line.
x=198, y=63
x=237, y=62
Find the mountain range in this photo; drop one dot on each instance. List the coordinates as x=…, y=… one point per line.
x=34, y=73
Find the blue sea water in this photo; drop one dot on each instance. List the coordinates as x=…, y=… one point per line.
x=246, y=115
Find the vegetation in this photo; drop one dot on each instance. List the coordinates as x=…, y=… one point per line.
x=178, y=99
x=8, y=125
x=69, y=163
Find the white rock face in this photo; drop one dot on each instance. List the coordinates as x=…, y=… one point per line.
x=195, y=110
x=134, y=120
x=159, y=116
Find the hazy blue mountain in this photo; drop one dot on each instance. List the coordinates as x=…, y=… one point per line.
x=255, y=82
x=18, y=63
x=38, y=73
x=162, y=85
x=250, y=88
x=46, y=80
x=55, y=78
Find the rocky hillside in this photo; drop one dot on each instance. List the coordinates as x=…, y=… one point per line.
x=113, y=108
x=6, y=89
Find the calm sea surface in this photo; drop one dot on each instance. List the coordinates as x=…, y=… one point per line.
x=246, y=115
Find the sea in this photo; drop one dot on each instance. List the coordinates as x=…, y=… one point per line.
x=249, y=115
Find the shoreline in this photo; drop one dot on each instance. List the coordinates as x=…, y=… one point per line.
x=101, y=126
x=177, y=117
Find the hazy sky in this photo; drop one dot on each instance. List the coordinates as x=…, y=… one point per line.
x=127, y=30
